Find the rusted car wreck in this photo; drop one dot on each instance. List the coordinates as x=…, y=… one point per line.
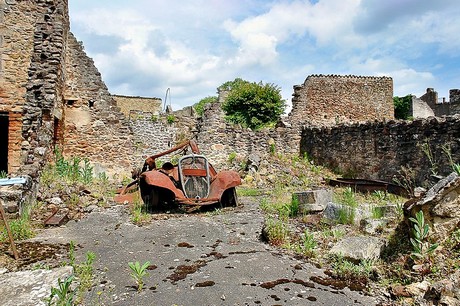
x=191, y=182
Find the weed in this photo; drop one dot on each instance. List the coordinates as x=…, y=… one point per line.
x=63, y=295
x=154, y=118
x=425, y=147
x=72, y=253
x=231, y=157
x=346, y=215
x=406, y=179
x=346, y=269
x=456, y=168
x=277, y=231
x=84, y=272
x=139, y=215
x=378, y=212
x=308, y=244
x=170, y=119
x=138, y=273
x=272, y=149
x=3, y=174
x=349, y=203
x=294, y=206
x=21, y=228
x=422, y=249
x=336, y=234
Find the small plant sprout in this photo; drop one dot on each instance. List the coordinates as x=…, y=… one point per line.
x=138, y=273
x=63, y=295
x=421, y=247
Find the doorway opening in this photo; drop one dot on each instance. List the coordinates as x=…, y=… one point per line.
x=4, y=123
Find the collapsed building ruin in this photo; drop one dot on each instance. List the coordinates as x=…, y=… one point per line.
x=52, y=95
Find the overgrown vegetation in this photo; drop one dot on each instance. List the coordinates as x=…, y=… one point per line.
x=201, y=105
x=21, y=228
x=402, y=107
x=253, y=105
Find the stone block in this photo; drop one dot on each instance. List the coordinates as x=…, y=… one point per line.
x=313, y=201
x=359, y=248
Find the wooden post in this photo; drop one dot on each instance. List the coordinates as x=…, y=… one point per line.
x=8, y=230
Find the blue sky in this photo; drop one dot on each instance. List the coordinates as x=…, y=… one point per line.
x=144, y=47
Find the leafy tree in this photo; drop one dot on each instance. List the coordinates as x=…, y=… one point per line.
x=402, y=106
x=251, y=104
x=200, y=106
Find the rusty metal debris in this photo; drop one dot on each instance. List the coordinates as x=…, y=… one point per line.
x=57, y=218
x=366, y=185
x=192, y=181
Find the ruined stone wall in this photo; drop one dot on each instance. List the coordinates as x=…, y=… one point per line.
x=378, y=150
x=144, y=104
x=333, y=99
x=154, y=134
x=32, y=42
x=17, y=28
x=218, y=138
x=94, y=127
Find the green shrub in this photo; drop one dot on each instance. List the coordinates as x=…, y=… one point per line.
x=253, y=105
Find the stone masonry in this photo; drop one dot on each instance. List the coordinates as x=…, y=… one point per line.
x=333, y=99
x=379, y=150
x=144, y=104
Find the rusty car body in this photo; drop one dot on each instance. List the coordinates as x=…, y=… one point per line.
x=191, y=182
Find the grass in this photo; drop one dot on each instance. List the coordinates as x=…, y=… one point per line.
x=248, y=192
x=139, y=215
x=277, y=231
x=21, y=228
x=345, y=269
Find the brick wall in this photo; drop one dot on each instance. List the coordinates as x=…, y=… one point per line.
x=332, y=99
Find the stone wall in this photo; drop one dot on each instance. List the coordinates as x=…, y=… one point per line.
x=94, y=127
x=443, y=107
x=333, y=99
x=17, y=28
x=378, y=150
x=144, y=104
x=153, y=134
x=218, y=138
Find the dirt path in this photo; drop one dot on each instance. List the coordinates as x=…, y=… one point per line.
x=198, y=259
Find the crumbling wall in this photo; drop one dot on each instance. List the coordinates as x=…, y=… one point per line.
x=19, y=23
x=154, y=133
x=32, y=44
x=94, y=127
x=379, y=150
x=219, y=139
x=333, y=99
x=443, y=107
x=144, y=104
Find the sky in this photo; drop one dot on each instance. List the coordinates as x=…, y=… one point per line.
x=144, y=47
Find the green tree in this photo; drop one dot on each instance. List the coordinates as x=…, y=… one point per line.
x=402, y=106
x=200, y=106
x=253, y=105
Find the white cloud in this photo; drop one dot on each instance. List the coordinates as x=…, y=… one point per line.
x=143, y=47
